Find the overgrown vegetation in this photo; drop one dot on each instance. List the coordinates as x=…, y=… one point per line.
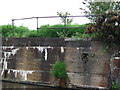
x=59, y=71
x=107, y=27
x=10, y=31
x=64, y=18
x=95, y=7
x=114, y=86
x=44, y=31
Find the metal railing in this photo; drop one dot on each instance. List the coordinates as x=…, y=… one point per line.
x=65, y=25
x=37, y=20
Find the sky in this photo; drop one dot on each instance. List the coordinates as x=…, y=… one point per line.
x=14, y=9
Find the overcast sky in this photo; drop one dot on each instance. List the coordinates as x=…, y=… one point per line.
x=12, y=9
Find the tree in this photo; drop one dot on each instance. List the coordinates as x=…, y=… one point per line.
x=64, y=18
x=107, y=26
x=97, y=8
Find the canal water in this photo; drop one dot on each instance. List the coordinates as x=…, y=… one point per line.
x=17, y=86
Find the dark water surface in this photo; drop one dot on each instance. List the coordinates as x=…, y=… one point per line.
x=17, y=86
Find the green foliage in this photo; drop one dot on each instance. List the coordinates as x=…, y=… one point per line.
x=114, y=86
x=21, y=31
x=32, y=33
x=106, y=49
x=45, y=32
x=59, y=70
x=79, y=35
x=108, y=27
x=7, y=30
x=53, y=31
x=97, y=8
x=56, y=30
x=64, y=19
x=71, y=31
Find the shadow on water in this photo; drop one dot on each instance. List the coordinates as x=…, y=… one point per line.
x=20, y=86
x=17, y=86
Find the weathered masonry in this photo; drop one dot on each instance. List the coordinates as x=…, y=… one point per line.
x=31, y=59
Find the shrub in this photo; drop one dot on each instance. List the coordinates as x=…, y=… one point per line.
x=71, y=31
x=79, y=35
x=7, y=30
x=114, y=85
x=59, y=70
x=32, y=33
x=44, y=32
x=21, y=31
x=58, y=30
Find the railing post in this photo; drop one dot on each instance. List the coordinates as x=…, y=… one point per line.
x=37, y=25
x=12, y=27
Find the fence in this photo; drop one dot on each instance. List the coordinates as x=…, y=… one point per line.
x=65, y=21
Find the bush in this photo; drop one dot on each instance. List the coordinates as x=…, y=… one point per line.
x=114, y=86
x=7, y=30
x=21, y=31
x=58, y=31
x=44, y=31
x=32, y=33
x=71, y=31
x=84, y=35
x=59, y=70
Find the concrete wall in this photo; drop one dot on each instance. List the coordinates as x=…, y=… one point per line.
x=115, y=66
x=31, y=59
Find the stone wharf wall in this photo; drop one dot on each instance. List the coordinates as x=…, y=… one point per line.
x=31, y=59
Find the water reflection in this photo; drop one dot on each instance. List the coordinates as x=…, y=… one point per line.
x=16, y=86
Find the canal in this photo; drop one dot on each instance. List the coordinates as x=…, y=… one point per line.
x=17, y=86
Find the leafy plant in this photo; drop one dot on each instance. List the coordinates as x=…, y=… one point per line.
x=108, y=27
x=7, y=30
x=79, y=35
x=114, y=86
x=10, y=31
x=64, y=18
x=96, y=8
x=47, y=31
x=57, y=30
x=32, y=33
x=59, y=70
x=21, y=31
